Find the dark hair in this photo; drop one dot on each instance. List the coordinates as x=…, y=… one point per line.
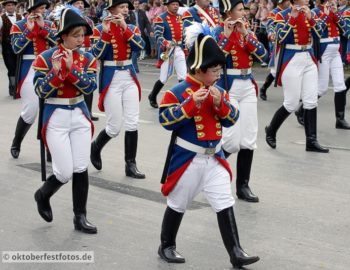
x=204, y=69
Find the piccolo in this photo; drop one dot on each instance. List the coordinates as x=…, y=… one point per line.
x=61, y=54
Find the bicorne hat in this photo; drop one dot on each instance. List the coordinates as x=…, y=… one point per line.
x=112, y=3
x=32, y=4
x=167, y=2
x=204, y=53
x=4, y=3
x=227, y=5
x=86, y=2
x=70, y=19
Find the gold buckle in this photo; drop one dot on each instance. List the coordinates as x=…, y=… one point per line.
x=303, y=47
x=244, y=71
x=119, y=63
x=209, y=151
x=73, y=101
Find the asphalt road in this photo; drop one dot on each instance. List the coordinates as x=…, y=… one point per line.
x=302, y=221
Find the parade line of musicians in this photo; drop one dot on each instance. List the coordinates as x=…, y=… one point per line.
x=211, y=112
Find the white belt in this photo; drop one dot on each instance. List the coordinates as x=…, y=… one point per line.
x=65, y=101
x=117, y=63
x=28, y=56
x=298, y=47
x=236, y=71
x=196, y=148
x=326, y=40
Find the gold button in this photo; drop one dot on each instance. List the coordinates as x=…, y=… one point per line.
x=199, y=127
x=59, y=93
x=218, y=133
x=198, y=118
x=218, y=125
x=200, y=134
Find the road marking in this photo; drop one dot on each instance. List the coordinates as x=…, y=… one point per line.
x=137, y=192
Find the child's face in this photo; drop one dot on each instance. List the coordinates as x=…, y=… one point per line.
x=211, y=75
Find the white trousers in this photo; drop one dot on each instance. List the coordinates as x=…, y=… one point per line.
x=299, y=80
x=68, y=137
x=179, y=66
x=333, y=65
x=205, y=174
x=244, y=133
x=30, y=101
x=122, y=104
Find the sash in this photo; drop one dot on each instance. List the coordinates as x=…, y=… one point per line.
x=207, y=17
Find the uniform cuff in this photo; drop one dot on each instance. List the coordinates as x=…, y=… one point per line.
x=128, y=34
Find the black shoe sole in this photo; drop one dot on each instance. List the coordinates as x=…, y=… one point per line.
x=248, y=199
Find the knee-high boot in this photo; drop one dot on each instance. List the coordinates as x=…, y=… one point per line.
x=88, y=100
x=96, y=148
x=80, y=189
x=300, y=114
x=130, y=148
x=152, y=97
x=276, y=122
x=244, y=164
x=310, y=120
x=21, y=130
x=42, y=197
x=229, y=234
x=170, y=226
x=268, y=81
x=12, y=86
x=340, y=103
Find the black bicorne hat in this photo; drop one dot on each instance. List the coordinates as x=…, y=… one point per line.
x=32, y=4
x=227, y=5
x=204, y=53
x=167, y=2
x=70, y=19
x=86, y=2
x=112, y=3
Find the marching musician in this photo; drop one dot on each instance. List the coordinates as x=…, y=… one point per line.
x=196, y=110
x=63, y=75
x=331, y=62
x=120, y=90
x=168, y=30
x=29, y=37
x=296, y=30
x=240, y=46
x=7, y=19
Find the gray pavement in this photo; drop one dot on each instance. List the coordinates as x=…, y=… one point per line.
x=301, y=222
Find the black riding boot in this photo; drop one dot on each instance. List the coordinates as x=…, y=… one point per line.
x=88, y=100
x=340, y=103
x=170, y=226
x=229, y=234
x=130, y=149
x=268, y=81
x=347, y=83
x=310, y=119
x=43, y=195
x=152, y=97
x=12, y=86
x=96, y=148
x=275, y=124
x=244, y=164
x=80, y=189
x=21, y=130
x=300, y=114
